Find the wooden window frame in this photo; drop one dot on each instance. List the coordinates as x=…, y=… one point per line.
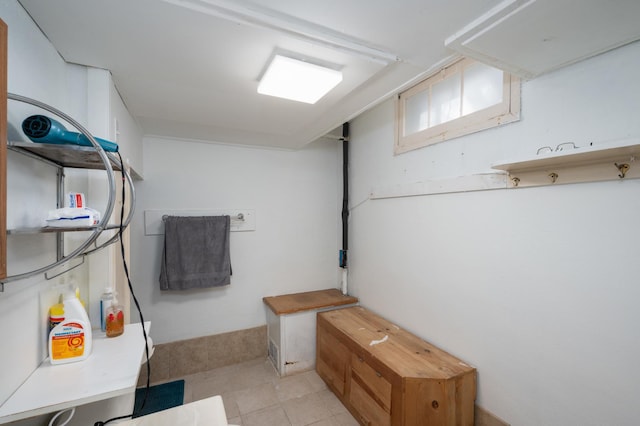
x=505, y=112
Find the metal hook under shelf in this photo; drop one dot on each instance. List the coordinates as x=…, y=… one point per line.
x=623, y=169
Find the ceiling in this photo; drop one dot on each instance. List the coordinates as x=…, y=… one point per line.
x=189, y=69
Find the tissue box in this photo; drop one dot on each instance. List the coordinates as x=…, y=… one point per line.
x=69, y=217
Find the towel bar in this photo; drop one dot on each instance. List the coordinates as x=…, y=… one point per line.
x=240, y=219
x=239, y=216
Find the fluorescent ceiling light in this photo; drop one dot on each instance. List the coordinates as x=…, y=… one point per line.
x=297, y=80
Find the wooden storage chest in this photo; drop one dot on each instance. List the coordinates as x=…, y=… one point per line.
x=387, y=376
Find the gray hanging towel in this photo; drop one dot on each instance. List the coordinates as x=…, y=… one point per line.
x=196, y=252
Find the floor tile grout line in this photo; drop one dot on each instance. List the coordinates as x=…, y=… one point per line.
x=193, y=381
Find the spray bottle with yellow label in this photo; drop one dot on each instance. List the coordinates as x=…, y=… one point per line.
x=71, y=339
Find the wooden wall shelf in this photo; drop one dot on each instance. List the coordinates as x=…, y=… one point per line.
x=598, y=162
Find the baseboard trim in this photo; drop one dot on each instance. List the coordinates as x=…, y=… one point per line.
x=486, y=418
x=181, y=358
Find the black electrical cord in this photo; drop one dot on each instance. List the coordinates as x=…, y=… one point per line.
x=345, y=197
x=135, y=299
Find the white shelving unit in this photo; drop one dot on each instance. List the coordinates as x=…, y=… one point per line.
x=598, y=162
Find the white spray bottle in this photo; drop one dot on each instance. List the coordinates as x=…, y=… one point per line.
x=71, y=340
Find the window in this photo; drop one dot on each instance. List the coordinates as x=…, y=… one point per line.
x=463, y=98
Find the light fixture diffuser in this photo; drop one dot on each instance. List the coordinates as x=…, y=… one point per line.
x=297, y=80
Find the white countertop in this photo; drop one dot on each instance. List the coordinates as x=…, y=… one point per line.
x=205, y=412
x=111, y=370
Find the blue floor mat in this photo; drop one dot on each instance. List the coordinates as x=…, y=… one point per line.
x=160, y=397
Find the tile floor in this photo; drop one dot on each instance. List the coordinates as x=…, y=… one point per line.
x=254, y=395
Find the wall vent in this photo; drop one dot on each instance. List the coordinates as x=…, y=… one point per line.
x=274, y=354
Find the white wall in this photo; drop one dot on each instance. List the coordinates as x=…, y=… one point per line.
x=36, y=70
x=538, y=288
x=294, y=247
x=105, y=108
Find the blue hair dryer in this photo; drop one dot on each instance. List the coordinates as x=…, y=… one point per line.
x=43, y=129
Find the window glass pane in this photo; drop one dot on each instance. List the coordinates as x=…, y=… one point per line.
x=416, y=112
x=482, y=88
x=462, y=98
x=445, y=100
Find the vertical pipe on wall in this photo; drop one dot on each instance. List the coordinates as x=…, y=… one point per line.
x=345, y=205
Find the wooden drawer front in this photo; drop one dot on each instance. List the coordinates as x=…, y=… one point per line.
x=373, y=381
x=370, y=413
x=332, y=360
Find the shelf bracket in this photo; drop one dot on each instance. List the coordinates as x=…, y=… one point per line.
x=623, y=169
x=48, y=278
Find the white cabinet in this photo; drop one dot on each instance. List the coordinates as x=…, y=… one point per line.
x=291, y=326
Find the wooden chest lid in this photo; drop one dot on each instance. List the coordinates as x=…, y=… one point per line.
x=310, y=300
x=403, y=352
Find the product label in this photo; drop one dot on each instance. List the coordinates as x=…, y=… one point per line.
x=67, y=341
x=76, y=199
x=53, y=321
x=115, y=321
